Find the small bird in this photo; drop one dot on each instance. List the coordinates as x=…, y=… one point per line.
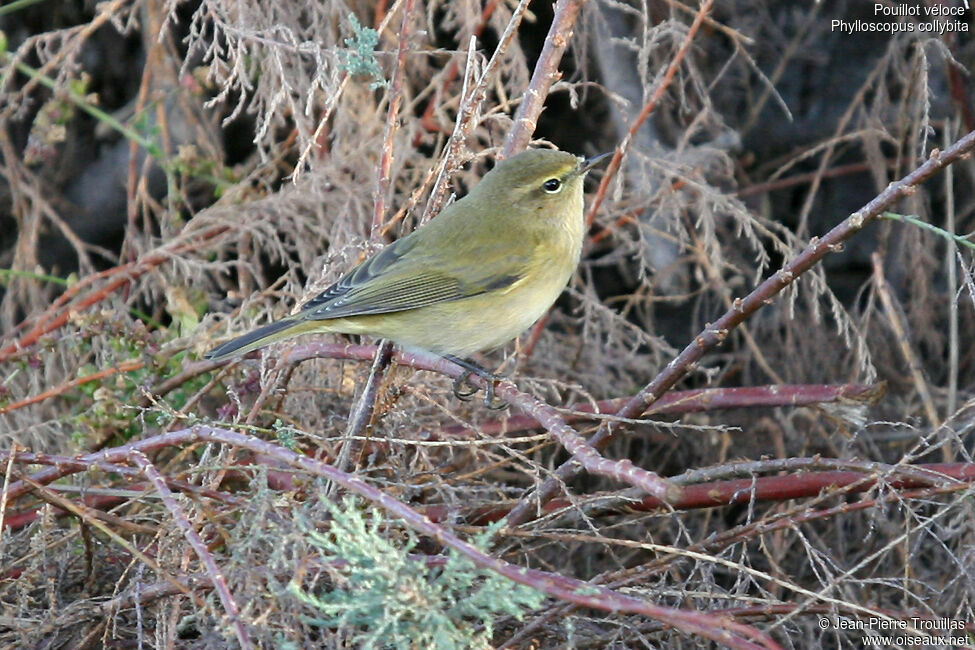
x=476, y=276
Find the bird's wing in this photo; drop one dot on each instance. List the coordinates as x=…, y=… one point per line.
x=393, y=281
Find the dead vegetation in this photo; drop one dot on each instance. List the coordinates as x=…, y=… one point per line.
x=746, y=322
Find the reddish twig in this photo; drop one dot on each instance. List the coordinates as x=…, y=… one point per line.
x=806, y=484
x=125, y=366
x=545, y=74
x=658, y=93
x=451, y=73
x=795, y=485
x=19, y=520
x=688, y=401
x=119, y=276
x=392, y=125
x=191, y=536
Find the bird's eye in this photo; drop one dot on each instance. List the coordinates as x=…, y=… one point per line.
x=552, y=185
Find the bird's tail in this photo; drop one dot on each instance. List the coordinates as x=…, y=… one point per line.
x=270, y=333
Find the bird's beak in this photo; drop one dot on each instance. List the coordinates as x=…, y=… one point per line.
x=589, y=163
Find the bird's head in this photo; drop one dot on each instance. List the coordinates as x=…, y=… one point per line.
x=537, y=180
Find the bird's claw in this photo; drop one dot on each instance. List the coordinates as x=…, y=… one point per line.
x=464, y=390
x=491, y=400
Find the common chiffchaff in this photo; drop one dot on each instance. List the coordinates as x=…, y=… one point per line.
x=476, y=276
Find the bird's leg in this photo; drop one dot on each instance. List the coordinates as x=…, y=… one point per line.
x=462, y=389
x=470, y=368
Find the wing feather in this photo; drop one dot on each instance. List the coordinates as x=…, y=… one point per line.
x=393, y=281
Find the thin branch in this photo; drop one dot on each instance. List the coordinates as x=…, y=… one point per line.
x=546, y=73
x=74, y=300
x=658, y=93
x=212, y=569
x=897, y=320
x=365, y=407
x=91, y=518
x=469, y=109
x=687, y=401
x=125, y=366
x=392, y=125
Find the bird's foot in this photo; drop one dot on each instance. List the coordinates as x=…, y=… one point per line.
x=464, y=390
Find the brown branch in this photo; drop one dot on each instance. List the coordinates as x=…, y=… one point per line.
x=392, y=125
x=545, y=74
x=588, y=457
x=73, y=300
x=125, y=366
x=191, y=536
x=688, y=401
x=362, y=413
x=714, y=335
x=658, y=93
x=147, y=594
